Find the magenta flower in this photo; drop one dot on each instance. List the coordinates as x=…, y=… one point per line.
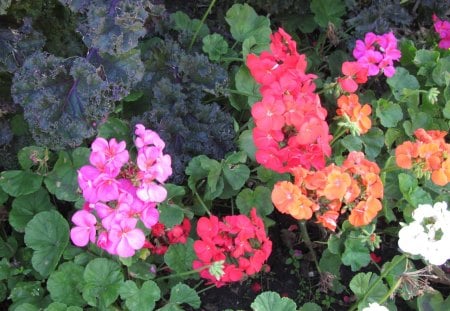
x=84, y=231
x=377, y=53
x=151, y=192
x=147, y=137
x=108, y=156
x=87, y=176
x=125, y=238
x=443, y=29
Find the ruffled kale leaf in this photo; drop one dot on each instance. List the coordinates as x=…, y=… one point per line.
x=180, y=88
x=113, y=26
x=380, y=17
x=65, y=99
x=17, y=44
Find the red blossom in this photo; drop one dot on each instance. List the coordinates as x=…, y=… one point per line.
x=239, y=241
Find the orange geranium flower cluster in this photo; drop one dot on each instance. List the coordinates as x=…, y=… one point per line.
x=331, y=191
x=357, y=116
x=428, y=156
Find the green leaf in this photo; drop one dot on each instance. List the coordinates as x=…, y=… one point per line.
x=373, y=141
x=432, y=301
x=25, y=207
x=28, y=156
x=236, y=175
x=246, y=85
x=408, y=51
x=170, y=214
x=103, y=279
x=179, y=257
x=247, y=145
x=17, y=183
x=362, y=282
x=330, y=262
x=143, y=298
x=62, y=180
x=19, y=126
x=133, y=96
x=251, y=45
x=244, y=23
x=80, y=157
x=402, y=80
x=310, y=306
x=215, y=46
x=47, y=234
x=65, y=284
x=26, y=292
x=352, y=143
x=389, y=113
x=391, y=135
x=328, y=11
x=260, y=198
x=3, y=196
x=8, y=248
x=356, y=254
x=58, y=306
x=181, y=293
x=441, y=73
x=270, y=301
x=115, y=128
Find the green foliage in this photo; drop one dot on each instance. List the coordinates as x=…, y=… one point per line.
x=139, y=298
x=328, y=11
x=103, y=280
x=272, y=301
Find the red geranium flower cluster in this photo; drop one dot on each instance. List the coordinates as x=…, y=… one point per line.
x=232, y=249
x=428, y=156
x=290, y=121
x=161, y=237
x=329, y=192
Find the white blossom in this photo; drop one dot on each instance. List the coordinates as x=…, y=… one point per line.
x=375, y=307
x=429, y=233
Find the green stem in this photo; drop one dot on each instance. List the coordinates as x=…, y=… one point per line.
x=241, y=93
x=202, y=203
x=201, y=24
x=231, y=59
x=181, y=274
x=382, y=276
x=307, y=240
x=341, y=131
x=205, y=289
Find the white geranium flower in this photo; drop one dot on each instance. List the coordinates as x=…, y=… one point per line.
x=429, y=234
x=412, y=239
x=375, y=307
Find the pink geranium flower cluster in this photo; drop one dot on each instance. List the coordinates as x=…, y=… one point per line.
x=238, y=243
x=290, y=122
x=377, y=53
x=443, y=29
x=119, y=193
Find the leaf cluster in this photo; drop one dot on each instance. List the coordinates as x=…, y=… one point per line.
x=181, y=90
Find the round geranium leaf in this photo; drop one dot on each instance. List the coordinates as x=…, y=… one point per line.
x=103, y=279
x=48, y=235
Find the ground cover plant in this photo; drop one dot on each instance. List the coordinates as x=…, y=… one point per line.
x=234, y=155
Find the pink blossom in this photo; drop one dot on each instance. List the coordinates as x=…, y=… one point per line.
x=125, y=238
x=443, y=29
x=87, y=175
x=84, y=231
x=108, y=156
x=151, y=192
x=377, y=53
x=147, y=137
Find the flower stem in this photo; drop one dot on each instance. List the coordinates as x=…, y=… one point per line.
x=181, y=274
x=307, y=240
x=202, y=203
x=202, y=22
x=341, y=131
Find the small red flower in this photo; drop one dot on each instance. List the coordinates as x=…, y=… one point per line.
x=256, y=287
x=375, y=258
